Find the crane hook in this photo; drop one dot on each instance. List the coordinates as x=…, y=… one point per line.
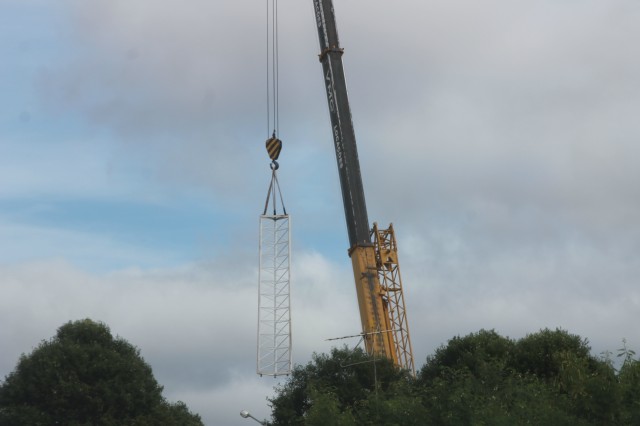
x=274, y=146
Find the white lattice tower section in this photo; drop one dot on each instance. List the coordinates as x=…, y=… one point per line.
x=391, y=282
x=274, y=314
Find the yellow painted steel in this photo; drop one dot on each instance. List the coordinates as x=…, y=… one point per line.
x=274, y=146
x=381, y=299
x=374, y=311
x=386, y=250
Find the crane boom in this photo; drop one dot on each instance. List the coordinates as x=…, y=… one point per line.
x=373, y=252
x=342, y=126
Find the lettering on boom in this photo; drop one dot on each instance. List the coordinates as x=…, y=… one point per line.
x=335, y=119
x=318, y=13
x=330, y=97
x=339, y=147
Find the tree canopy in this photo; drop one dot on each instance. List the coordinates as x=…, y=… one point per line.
x=85, y=376
x=548, y=377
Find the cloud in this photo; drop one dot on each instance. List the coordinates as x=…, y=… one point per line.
x=182, y=91
x=195, y=324
x=455, y=286
x=476, y=94
x=194, y=331
x=177, y=85
x=223, y=404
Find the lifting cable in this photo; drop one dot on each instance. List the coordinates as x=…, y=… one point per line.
x=273, y=144
x=272, y=68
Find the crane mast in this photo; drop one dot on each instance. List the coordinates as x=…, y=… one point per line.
x=373, y=252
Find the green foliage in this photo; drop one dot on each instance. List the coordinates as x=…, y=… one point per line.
x=325, y=411
x=475, y=353
x=343, y=384
x=545, y=378
x=84, y=376
x=474, y=380
x=629, y=377
x=564, y=362
x=538, y=353
x=399, y=405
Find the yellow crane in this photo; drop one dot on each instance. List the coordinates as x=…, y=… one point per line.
x=373, y=252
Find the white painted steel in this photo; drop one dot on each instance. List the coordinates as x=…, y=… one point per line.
x=274, y=299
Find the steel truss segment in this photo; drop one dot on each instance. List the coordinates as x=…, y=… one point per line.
x=274, y=299
x=386, y=250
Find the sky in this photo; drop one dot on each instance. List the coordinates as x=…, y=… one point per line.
x=500, y=137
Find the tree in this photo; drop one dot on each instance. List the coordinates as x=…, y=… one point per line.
x=538, y=353
x=565, y=363
x=545, y=378
x=629, y=377
x=548, y=376
x=474, y=353
x=344, y=387
x=472, y=380
x=85, y=376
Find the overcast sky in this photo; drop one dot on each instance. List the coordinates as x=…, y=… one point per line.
x=500, y=137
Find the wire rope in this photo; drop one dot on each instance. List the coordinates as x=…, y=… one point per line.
x=267, y=62
x=276, y=50
x=272, y=68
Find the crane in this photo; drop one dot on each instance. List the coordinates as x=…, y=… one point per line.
x=373, y=252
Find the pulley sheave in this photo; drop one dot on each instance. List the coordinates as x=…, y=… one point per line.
x=274, y=146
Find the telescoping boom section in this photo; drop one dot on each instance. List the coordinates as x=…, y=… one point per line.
x=373, y=252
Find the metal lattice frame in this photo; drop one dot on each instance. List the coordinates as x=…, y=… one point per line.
x=391, y=282
x=274, y=314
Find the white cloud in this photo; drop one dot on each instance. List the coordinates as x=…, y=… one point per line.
x=222, y=405
x=194, y=324
x=193, y=331
x=586, y=290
